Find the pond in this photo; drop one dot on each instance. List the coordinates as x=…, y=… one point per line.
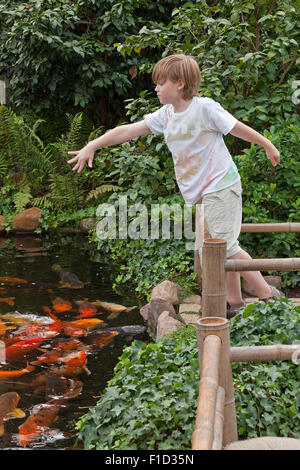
x=43, y=265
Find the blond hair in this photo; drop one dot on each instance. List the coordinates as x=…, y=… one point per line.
x=179, y=67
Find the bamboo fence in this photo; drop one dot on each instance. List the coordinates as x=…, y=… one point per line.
x=216, y=425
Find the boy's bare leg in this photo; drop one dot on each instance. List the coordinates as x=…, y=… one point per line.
x=254, y=278
x=233, y=287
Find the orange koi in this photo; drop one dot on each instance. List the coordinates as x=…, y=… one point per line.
x=22, y=348
x=87, y=310
x=55, y=354
x=44, y=416
x=8, y=403
x=39, y=421
x=60, y=305
x=84, y=323
x=8, y=300
x=4, y=328
x=8, y=374
x=102, y=340
x=73, y=331
x=13, y=280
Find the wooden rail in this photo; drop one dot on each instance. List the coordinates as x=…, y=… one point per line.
x=271, y=227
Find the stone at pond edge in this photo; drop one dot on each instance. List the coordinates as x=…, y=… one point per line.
x=189, y=308
x=151, y=312
x=2, y=223
x=27, y=220
x=88, y=224
x=192, y=299
x=166, y=290
x=166, y=325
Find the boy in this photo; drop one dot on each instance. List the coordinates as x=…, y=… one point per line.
x=205, y=172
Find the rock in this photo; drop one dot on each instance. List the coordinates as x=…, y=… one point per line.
x=166, y=325
x=144, y=311
x=2, y=243
x=27, y=220
x=192, y=299
x=88, y=224
x=189, y=318
x=2, y=223
x=166, y=290
x=271, y=280
x=152, y=311
x=189, y=308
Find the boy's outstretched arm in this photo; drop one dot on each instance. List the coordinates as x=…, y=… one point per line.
x=116, y=136
x=250, y=135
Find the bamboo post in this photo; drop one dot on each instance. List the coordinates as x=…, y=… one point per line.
x=271, y=227
x=220, y=327
x=203, y=435
x=276, y=352
x=214, y=278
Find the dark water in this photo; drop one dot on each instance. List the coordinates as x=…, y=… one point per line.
x=32, y=259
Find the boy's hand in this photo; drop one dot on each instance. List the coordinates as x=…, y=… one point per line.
x=83, y=155
x=272, y=154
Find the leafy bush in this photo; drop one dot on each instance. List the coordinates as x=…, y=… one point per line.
x=151, y=401
x=272, y=195
x=267, y=394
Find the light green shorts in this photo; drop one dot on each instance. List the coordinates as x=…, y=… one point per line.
x=221, y=212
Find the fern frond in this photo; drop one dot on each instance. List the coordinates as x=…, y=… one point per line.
x=3, y=164
x=44, y=202
x=95, y=193
x=22, y=198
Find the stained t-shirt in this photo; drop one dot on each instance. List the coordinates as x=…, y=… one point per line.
x=202, y=161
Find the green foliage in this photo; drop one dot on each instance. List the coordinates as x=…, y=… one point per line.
x=267, y=394
x=248, y=53
x=272, y=194
x=151, y=401
x=59, y=56
x=37, y=173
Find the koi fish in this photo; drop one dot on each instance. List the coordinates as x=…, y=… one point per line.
x=86, y=310
x=60, y=305
x=102, y=340
x=25, y=319
x=85, y=323
x=55, y=354
x=44, y=416
x=4, y=328
x=22, y=348
x=30, y=332
x=13, y=280
x=8, y=403
x=110, y=306
x=73, y=331
x=69, y=280
x=74, y=364
x=8, y=300
x=9, y=374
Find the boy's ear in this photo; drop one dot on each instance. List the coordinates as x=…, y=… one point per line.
x=180, y=85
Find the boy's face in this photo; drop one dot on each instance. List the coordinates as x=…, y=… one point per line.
x=169, y=92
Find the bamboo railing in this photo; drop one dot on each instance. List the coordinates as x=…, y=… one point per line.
x=216, y=425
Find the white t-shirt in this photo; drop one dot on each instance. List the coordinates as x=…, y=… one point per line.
x=202, y=161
